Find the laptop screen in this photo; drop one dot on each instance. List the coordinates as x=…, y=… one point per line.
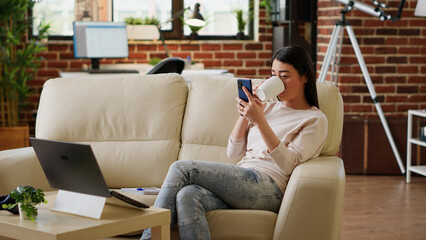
x=70, y=166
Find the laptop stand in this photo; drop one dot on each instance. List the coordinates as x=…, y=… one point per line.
x=81, y=204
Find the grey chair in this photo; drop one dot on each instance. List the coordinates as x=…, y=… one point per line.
x=168, y=65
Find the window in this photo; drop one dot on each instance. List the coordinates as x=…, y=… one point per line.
x=162, y=10
x=142, y=9
x=59, y=13
x=219, y=16
x=221, y=22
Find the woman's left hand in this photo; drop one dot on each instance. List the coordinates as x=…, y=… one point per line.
x=251, y=110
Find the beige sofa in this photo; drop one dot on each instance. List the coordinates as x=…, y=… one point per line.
x=137, y=126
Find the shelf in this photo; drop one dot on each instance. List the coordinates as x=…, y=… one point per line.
x=420, y=113
x=417, y=141
x=418, y=169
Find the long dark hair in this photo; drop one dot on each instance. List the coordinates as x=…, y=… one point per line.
x=300, y=59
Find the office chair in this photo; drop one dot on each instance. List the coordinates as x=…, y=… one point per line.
x=168, y=65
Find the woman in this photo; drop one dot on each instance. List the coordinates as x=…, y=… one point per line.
x=273, y=138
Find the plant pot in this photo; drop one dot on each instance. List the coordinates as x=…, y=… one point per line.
x=23, y=214
x=193, y=36
x=14, y=137
x=142, y=32
x=240, y=36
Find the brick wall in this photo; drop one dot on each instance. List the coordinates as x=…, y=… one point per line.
x=394, y=52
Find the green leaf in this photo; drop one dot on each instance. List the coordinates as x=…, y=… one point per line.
x=17, y=58
x=29, y=197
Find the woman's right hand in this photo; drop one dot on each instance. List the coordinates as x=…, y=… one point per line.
x=251, y=110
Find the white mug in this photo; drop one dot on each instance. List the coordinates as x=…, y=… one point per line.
x=271, y=88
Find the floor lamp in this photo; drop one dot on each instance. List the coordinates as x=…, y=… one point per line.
x=335, y=48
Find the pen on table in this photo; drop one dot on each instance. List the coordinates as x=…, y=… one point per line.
x=143, y=189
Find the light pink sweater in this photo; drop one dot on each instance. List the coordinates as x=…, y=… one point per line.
x=302, y=135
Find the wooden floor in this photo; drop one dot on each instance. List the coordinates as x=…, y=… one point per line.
x=384, y=207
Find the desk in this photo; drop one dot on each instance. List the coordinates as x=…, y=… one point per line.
x=188, y=75
x=114, y=221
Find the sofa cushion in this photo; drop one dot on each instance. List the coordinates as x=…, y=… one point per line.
x=20, y=167
x=209, y=118
x=210, y=115
x=133, y=123
x=241, y=224
x=331, y=104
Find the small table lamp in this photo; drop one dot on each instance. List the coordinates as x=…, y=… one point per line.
x=420, y=8
x=195, y=20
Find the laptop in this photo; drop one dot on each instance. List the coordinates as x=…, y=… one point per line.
x=73, y=167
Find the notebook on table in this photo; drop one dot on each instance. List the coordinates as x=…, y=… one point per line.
x=73, y=167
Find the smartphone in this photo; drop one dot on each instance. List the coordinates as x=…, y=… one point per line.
x=244, y=83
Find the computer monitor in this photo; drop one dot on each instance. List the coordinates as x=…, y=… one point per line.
x=97, y=40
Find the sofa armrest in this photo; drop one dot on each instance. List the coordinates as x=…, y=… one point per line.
x=313, y=201
x=20, y=167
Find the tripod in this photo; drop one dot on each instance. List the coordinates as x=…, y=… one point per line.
x=331, y=54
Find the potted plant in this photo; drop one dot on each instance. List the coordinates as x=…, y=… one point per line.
x=18, y=63
x=267, y=5
x=142, y=29
x=239, y=14
x=26, y=197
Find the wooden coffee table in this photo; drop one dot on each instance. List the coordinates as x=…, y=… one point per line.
x=114, y=221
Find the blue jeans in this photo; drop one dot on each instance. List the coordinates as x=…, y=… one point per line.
x=192, y=188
